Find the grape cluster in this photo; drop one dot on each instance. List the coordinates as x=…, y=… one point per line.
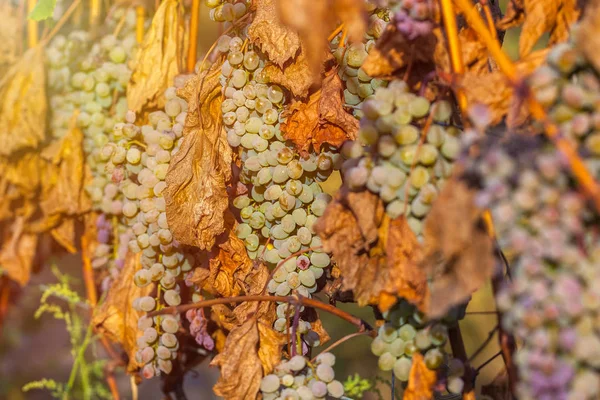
x=139, y=157
x=551, y=303
x=300, y=379
x=405, y=333
x=283, y=197
x=391, y=140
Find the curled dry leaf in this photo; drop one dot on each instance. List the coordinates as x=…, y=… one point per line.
x=378, y=258
x=587, y=34
x=394, y=53
x=115, y=317
x=18, y=252
x=23, y=103
x=322, y=119
x=458, y=250
x=196, y=196
x=315, y=20
x=495, y=91
x=157, y=61
x=420, y=380
x=278, y=41
x=539, y=17
x=475, y=55
x=296, y=75
x=228, y=266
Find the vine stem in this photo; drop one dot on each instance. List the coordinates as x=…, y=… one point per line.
x=580, y=171
x=139, y=23
x=458, y=67
x=340, y=341
x=295, y=300
x=193, y=46
x=32, y=26
x=95, y=6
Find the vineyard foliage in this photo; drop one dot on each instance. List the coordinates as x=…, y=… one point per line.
x=386, y=153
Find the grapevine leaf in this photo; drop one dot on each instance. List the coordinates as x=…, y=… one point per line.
x=279, y=42
x=228, y=266
x=241, y=370
x=499, y=388
x=23, y=103
x=420, y=380
x=458, y=250
x=378, y=258
x=539, y=17
x=158, y=60
x=394, y=53
x=17, y=253
x=295, y=76
x=587, y=34
x=115, y=317
x=43, y=9
x=302, y=16
x=322, y=119
x=474, y=53
x=196, y=195
x=65, y=234
x=495, y=92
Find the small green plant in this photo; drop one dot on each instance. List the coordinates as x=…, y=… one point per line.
x=85, y=381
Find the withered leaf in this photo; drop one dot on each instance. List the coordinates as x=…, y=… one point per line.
x=17, y=253
x=499, y=388
x=539, y=17
x=196, y=196
x=115, y=317
x=322, y=119
x=228, y=267
x=586, y=35
x=279, y=42
x=63, y=187
x=65, y=235
x=495, y=92
x=378, y=258
x=295, y=76
x=394, y=53
x=475, y=55
x=458, y=250
x=157, y=61
x=9, y=37
x=241, y=370
x=420, y=380
x=23, y=103
x=314, y=21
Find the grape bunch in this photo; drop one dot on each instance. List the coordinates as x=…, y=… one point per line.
x=227, y=11
x=283, y=197
x=551, y=302
x=298, y=378
x=140, y=156
x=391, y=141
x=405, y=333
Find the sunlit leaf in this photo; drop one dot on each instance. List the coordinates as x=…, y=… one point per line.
x=43, y=9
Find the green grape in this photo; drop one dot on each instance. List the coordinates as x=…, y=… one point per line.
x=402, y=368
x=386, y=361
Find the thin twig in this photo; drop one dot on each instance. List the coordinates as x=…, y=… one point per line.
x=484, y=344
x=340, y=341
x=335, y=33
x=488, y=361
x=60, y=23
x=193, y=38
x=458, y=67
x=297, y=300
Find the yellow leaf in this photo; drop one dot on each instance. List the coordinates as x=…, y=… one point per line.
x=23, y=104
x=420, y=380
x=9, y=39
x=196, y=195
x=115, y=317
x=158, y=60
x=17, y=253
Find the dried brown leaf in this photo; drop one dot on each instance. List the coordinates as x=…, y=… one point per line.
x=587, y=35
x=115, y=317
x=420, y=380
x=63, y=188
x=499, y=388
x=379, y=259
x=539, y=17
x=65, y=235
x=314, y=21
x=394, y=53
x=196, y=195
x=157, y=61
x=241, y=369
x=278, y=41
x=322, y=119
x=495, y=91
x=458, y=250
x=17, y=254
x=295, y=76
x=23, y=103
